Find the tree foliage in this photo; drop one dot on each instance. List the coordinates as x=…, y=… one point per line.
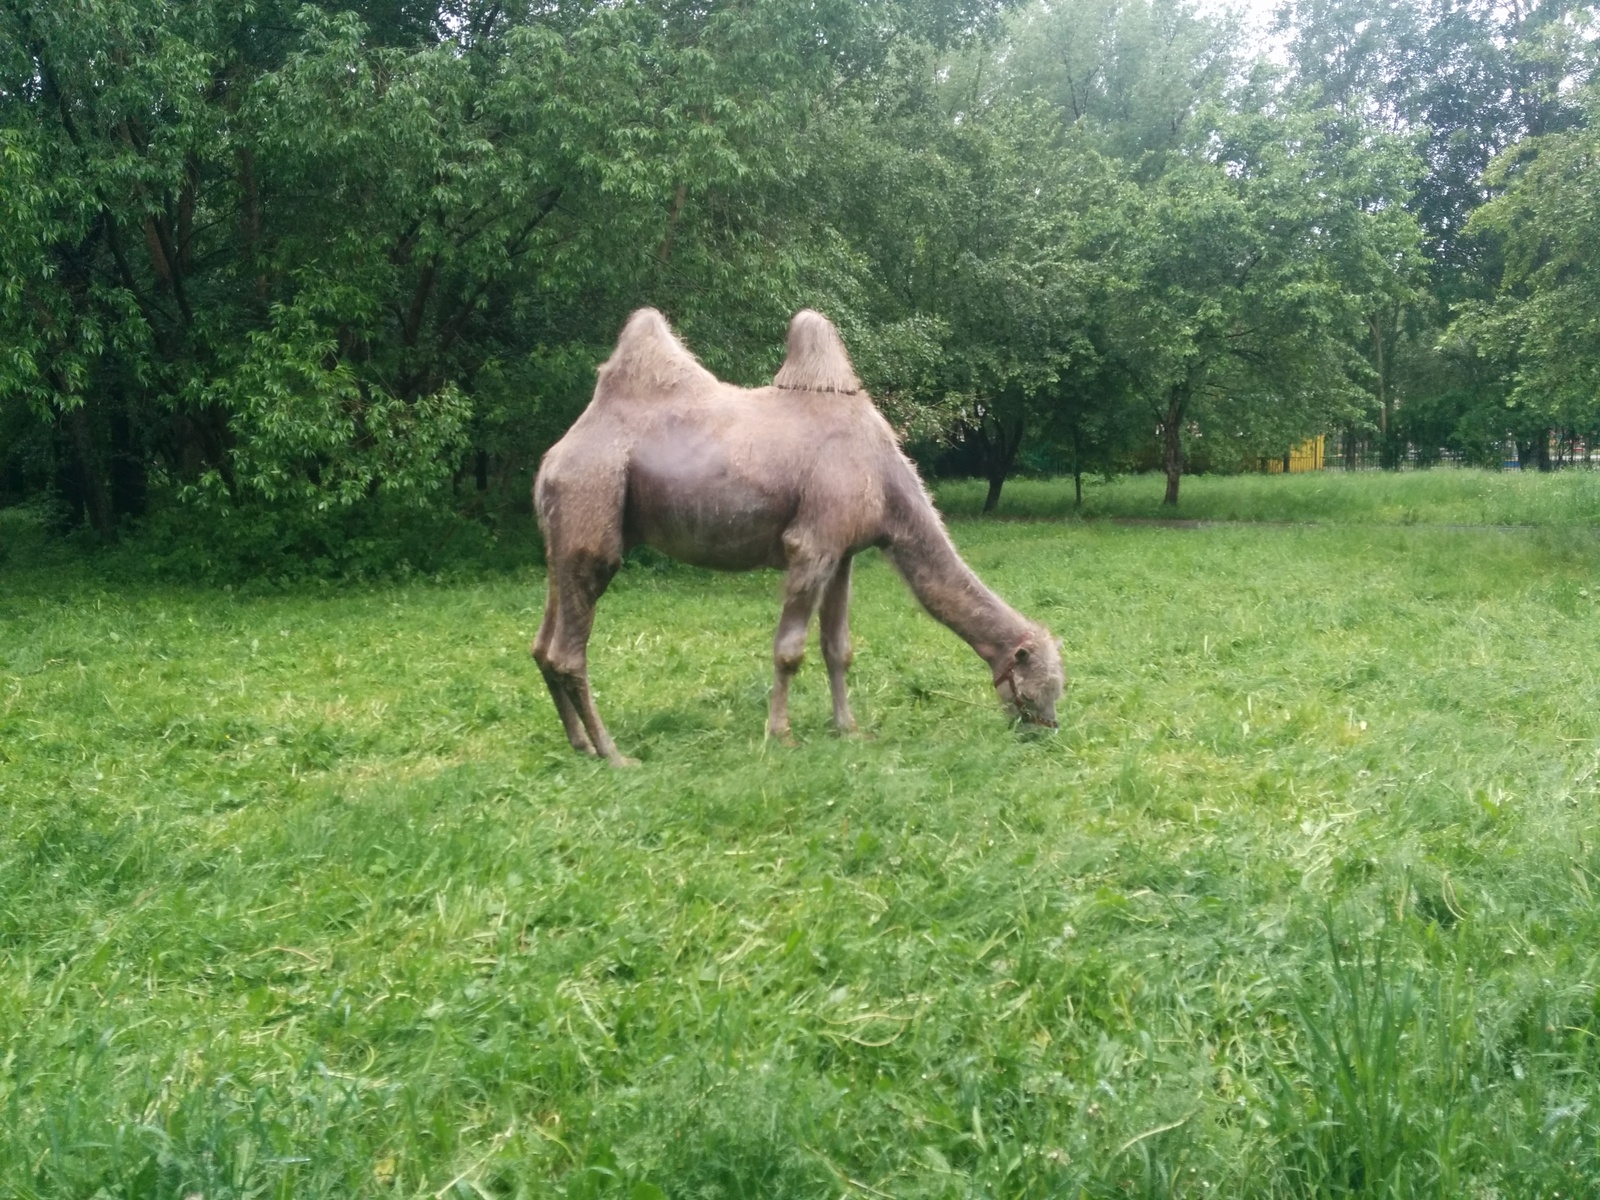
x=1543, y=328
x=1466, y=81
x=320, y=260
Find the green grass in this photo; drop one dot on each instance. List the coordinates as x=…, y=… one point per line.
x=1443, y=496
x=302, y=893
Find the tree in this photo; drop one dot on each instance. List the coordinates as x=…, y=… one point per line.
x=1466, y=81
x=282, y=257
x=1132, y=76
x=1543, y=327
x=960, y=200
x=1234, y=312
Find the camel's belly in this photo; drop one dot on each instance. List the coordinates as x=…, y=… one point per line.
x=736, y=553
x=700, y=511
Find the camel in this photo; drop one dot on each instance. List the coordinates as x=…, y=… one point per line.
x=801, y=475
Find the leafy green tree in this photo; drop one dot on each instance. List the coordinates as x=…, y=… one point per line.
x=1466, y=81
x=960, y=200
x=301, y=258
x=1234, y=309
x=1543, y=328
x=1469, y=78
x=1132, y=76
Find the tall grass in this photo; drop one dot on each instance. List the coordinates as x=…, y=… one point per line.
x=302, y=893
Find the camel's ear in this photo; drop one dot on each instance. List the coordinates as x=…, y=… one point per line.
x=1021, y=656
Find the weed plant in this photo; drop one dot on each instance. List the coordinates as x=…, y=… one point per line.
x=303, y=894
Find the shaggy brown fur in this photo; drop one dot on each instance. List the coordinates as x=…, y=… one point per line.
x=817, y=360
x=650, y=362
x=802, y=475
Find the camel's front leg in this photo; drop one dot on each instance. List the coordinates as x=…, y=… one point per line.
x=836, y=649
x=802, y=590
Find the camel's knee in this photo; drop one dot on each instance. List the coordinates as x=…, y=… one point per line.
x=580, y=576
x=789, y=643
x=594, y=572
x=556, y=663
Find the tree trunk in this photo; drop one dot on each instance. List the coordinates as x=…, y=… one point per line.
x=96, y=500
x=1077, y=468
x=664, y=254
x=998, y=459
x=996, y=482
x=1533, y=453
x=129, y=479
x=1172, y=444
x=1389, y=456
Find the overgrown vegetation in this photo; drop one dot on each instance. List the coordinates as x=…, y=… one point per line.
x=302, y=892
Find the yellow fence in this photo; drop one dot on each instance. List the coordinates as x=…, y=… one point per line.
x=1307, y=456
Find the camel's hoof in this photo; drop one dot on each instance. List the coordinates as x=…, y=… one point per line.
x=784, y=736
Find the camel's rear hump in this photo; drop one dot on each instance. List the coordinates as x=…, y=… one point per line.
x=817, y=360
x=650, y=361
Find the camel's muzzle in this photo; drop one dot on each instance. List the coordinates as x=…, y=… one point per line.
x=1041, y=720
x=1020, y=709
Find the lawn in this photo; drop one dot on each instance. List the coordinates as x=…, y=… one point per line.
x=303, y=894
x=1444, y=495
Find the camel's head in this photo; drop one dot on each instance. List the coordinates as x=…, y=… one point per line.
x=1030, y=679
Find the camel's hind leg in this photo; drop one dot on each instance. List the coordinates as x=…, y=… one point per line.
x=802, y=592
x=576, y=584
x=580, y=514
x=570, y=721
x=836, y=649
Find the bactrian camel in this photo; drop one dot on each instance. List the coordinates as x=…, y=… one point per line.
x=802, y=475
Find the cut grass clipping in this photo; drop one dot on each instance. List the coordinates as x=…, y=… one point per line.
x=303, y=894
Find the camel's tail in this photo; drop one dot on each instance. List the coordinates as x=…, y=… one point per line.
x=817, y=360
x=650, y=360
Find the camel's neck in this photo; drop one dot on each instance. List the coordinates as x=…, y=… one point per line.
x=922, y=552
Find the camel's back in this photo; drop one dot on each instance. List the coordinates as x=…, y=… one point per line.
x=727, y=480
x=723, y=476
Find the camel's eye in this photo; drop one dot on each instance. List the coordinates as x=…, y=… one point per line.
x=1022, y=655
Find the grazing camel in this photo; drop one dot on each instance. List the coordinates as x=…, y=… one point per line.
x=801, y=475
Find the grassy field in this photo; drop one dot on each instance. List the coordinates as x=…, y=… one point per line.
x=303, y=894
x=1442, y=496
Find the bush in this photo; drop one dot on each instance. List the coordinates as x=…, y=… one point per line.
x=278, y=546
